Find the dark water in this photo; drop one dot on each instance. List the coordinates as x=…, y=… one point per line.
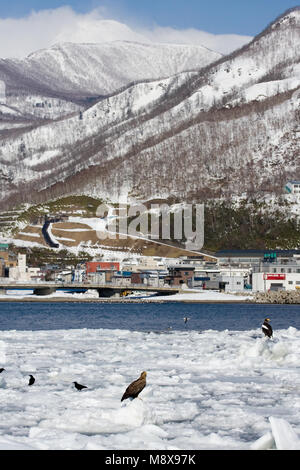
x=144, y=317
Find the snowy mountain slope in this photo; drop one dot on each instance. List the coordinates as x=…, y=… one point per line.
x=228, y=129
x=101, y=69
x=51, y=78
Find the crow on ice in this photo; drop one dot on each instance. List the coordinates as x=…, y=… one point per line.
x=1, y=370
x=31, y=380
x=135, y=388
x=79, y=386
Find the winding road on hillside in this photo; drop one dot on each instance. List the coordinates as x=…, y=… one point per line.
x=46, y=234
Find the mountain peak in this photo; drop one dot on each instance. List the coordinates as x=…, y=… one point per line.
x=288, y=19
x=102, y=68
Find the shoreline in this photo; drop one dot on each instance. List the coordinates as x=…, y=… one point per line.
x=128, y=301
x=137, y=301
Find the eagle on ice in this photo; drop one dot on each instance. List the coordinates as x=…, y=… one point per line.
x=135, y=388
x=266, y=328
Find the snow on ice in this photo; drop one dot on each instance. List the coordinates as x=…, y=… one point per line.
x=205, y=390
x=187, y=296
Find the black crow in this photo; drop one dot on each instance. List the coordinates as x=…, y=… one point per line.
x=31, y=380
x=78, y=386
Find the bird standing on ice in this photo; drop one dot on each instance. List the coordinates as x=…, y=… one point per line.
x=135, y=388
x=266, y=328
x=31, y=380
x=79, y=386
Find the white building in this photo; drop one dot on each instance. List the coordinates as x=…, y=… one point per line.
x=22, y=272
x=276, y=276
x=19, y=272
x=79, y=275
x=262, y=282
x=98, y=277
x=34, y=274
x=143, y=263
x=233, y=283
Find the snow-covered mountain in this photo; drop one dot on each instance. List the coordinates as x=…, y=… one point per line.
x=53, y=82
x=101, y=69
x=228, y=129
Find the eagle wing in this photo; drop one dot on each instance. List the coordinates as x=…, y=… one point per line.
x=267, y=329
x=134, y=389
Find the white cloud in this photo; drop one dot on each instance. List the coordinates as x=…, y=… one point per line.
x=223, y=43
x=22, y=36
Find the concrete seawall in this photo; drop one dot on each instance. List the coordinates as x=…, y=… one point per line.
x=277, y=297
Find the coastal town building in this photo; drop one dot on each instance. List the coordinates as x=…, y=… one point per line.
x=2, y=267
x=21, y=272
x=65, y=275
x=9, y=259
x=251, y=257
x=231, y=271
x=181, y=275
x=144, y=263
x=122, y=278
x=232, y=283
x=79, y=274
x=94, y=266
x=276, y=276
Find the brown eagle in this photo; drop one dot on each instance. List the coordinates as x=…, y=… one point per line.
x=135, y=388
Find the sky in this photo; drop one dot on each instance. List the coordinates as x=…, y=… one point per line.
x=217, y=24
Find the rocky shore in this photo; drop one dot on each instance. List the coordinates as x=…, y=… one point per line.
x=277, y=297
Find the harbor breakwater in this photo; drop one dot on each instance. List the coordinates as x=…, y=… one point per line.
x=277, y=297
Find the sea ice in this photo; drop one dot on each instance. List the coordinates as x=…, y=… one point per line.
x=205, y=390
